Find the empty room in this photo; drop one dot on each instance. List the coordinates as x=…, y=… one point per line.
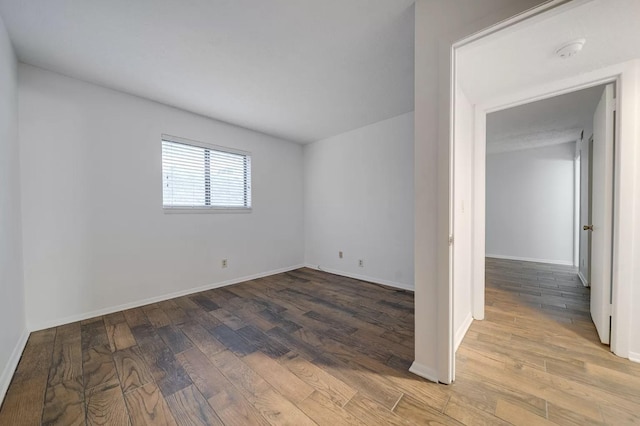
x=281, y=212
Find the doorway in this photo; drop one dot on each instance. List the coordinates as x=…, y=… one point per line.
x=481, y=86
x=538, y=209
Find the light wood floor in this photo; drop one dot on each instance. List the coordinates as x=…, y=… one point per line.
x=537, y=359
x=308, y=347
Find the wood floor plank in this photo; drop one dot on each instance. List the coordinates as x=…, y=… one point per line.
x=23, y=403
x=66, y=363
x=265, y=344
x=229, y=403
x=314, y=376
x=371, y=412
x=227, y=318
x=471, y=415
x=325, y=412
x=135, y=317
x=203, y=373
x=205, y=303
x=25, y=398
x=281, y=378
x=36, y=358
x=64, y=404
x=132, y=370
x=517, y=415
x=235, y=410
x=190, y=408
x=93, y=333
x=174, y=338
x=99, y=369
x=147, y=406
x=157, y=317
x=415, y=411
x=176, y=314
x=232, y=340
x=202, y=339
x=276, y=409
x=119, y=335
x=107, y=407
x=114, y=318
x=167, y=372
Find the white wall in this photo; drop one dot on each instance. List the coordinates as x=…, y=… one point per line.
x=438, y=25
x=95, y=235
x=359, y=200
x=12, y=310
x=462, y=247
x=530, y=204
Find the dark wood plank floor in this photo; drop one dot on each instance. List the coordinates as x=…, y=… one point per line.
x=307, y=347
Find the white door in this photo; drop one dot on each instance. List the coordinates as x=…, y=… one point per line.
x=601, y=226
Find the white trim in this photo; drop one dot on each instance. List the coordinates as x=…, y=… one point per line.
x=198, y=210
x=12, y=364
x=362, y=277
x=625, y=75
x=424, y=371
x=462, y=331
x=532, y=16
x=105, y=311
x=583, y=279
x=531, y=259
x=205, y=145
x=634, y=356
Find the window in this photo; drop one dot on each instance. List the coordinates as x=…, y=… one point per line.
x=200, y=176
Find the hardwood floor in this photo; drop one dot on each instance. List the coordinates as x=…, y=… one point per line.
x=307, y=347
x=537, y=359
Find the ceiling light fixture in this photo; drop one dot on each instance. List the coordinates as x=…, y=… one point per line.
x=571, y=49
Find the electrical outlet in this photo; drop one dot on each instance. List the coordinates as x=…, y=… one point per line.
x=361, y=263
x=224, y=263
x=340, y=254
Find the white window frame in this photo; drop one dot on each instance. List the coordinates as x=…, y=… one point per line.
x=206, y=209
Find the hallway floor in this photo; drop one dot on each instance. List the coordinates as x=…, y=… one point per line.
x=536, y=358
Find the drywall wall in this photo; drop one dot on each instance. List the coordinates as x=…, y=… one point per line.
x=462, y=204
x=438, y=25
x=12, y=310
x=530, y=204
x=359, y=200
x=95, y=235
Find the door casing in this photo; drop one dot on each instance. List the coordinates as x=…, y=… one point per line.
x=625, y=76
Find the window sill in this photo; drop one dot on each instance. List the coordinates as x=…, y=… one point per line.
x=200, y=210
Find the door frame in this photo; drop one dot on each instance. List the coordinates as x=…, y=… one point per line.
x=625, y=76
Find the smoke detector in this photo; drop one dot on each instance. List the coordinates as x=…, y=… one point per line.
x=571, y=49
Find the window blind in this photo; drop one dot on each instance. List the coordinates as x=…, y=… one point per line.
x=195, y=175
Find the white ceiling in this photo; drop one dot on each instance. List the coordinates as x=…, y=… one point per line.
x=550, y=121
x=300, y=70
x=524, y=56
x=611, y=29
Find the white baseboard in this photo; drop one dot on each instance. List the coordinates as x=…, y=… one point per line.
x=106, y=311
x=362, y=277
x=634, y=356
x=424, y=371
x=583, y=279
x=531, y=259
x=462, y=331
x=12, y=364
